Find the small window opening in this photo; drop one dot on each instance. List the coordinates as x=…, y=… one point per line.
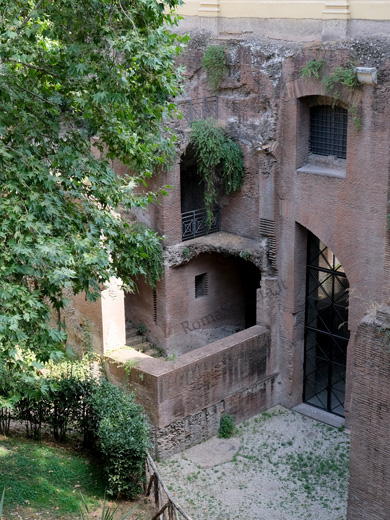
x=201, y=285
x=328, y=131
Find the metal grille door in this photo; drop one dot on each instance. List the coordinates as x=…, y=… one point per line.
x=326, y=330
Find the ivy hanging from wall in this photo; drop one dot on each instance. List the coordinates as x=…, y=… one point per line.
x=217, y=155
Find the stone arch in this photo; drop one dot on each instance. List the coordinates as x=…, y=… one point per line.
x=223, y=243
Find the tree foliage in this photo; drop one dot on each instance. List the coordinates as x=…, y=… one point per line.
x=72, y=71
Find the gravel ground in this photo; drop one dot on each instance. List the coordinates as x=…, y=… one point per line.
x=279, y=465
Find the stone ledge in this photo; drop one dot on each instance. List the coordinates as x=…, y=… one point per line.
x=159, y=366
x=315, y=169
x=254, y=251
x=320, y=415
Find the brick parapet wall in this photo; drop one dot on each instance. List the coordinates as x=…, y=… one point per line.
x=185, y=398
x=369, y=497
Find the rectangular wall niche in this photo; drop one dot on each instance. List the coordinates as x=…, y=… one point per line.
x=201, y=285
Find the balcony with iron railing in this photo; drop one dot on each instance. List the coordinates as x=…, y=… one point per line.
x=197, y=109
x=194, y=223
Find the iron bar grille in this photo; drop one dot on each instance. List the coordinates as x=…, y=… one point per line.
x=267, y=229
x=194, y=223
x=326, y=330
x=328, y=131
x=155, y=306
x=198, y=109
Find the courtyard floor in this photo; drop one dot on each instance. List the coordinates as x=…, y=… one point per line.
x=279, y=465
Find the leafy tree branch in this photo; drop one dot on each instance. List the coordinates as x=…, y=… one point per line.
x=71, y=71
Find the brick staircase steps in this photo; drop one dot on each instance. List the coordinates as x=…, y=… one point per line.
x=135, y=340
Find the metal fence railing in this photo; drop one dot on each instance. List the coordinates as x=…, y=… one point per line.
x=198, y=108
x=194, y=223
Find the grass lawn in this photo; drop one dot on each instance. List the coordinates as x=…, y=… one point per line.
x=44, y=481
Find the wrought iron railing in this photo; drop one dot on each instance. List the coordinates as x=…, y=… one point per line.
x=198, y=108
x=194, y=223
x=167, y=507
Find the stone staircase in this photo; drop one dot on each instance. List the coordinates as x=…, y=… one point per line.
x=136, y=340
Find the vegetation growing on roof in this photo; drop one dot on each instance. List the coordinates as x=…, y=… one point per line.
x=340, y=76
x=313, y=69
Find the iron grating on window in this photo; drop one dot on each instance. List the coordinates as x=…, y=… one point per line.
x=328, y=130
x=155, y=306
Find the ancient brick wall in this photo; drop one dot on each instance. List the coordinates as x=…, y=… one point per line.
x=369, y=497
x=184, y=399
x=347, y=211
x=264, y=105
x=184, y=321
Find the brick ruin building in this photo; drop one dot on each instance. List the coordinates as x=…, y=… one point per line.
x=285, y=299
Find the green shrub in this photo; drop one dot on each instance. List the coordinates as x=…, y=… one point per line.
x=313, y=68
x=341, y=76
x=122, y=434
x=5, y=419
x=107, y=417
x=214, y=63
x=64, y=402
x=226, y=427
x=33, y=412
x=142, y=329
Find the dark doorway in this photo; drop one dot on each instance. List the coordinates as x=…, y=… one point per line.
x=250, y=276
x=326, y=329
x=193, y=213
x=191, y=184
